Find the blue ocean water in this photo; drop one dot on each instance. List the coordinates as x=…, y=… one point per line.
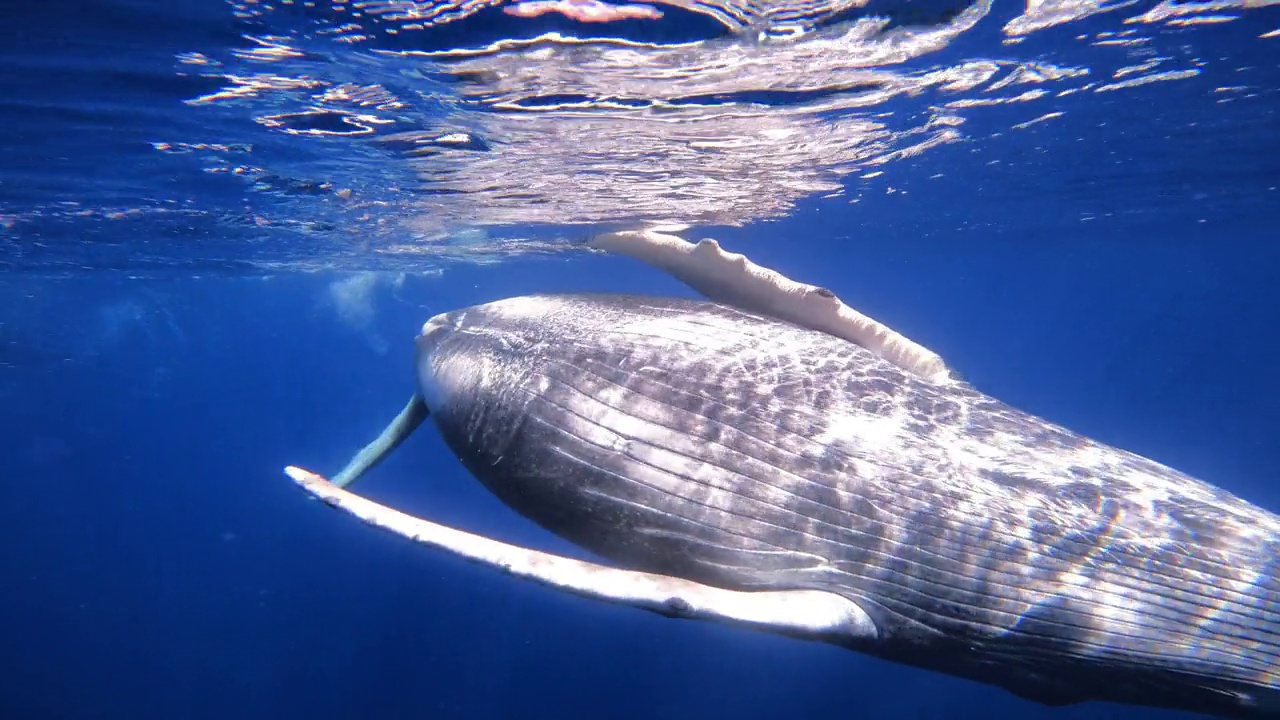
x=221, y=225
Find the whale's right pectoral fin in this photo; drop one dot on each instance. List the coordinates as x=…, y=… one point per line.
x=732, y=279
x=811, y=614
x=414, y=412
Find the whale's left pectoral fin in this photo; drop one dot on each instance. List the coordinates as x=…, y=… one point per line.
x=396, y=432
x=732, y=279
x=811, y=614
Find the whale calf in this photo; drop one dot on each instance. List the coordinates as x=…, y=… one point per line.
x=742, y=459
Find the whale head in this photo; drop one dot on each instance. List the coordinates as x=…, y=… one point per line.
x=476, y=357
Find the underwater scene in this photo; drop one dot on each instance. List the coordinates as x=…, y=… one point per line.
x=478, y=359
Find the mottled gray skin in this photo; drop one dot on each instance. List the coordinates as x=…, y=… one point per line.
x=700, y=441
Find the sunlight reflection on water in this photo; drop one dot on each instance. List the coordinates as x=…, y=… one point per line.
x=482, y=128
x=782, y=102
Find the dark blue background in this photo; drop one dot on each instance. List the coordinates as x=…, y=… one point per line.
x=157, y=563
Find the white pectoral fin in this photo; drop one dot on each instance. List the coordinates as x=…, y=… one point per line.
x=804, y=613
x=732, y=279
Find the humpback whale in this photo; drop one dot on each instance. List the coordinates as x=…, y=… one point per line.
x=772, y=458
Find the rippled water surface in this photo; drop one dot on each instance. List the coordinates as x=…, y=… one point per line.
x=365, y=134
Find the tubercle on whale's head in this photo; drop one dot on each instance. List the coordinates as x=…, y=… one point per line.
x=439, y=324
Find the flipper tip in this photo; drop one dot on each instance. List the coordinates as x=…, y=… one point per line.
x=304, y=477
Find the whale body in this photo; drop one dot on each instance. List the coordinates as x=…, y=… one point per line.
x=701, y=441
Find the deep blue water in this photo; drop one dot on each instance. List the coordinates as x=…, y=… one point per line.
x=174, y=339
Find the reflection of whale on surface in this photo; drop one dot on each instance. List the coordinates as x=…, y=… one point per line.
x=764, y=471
